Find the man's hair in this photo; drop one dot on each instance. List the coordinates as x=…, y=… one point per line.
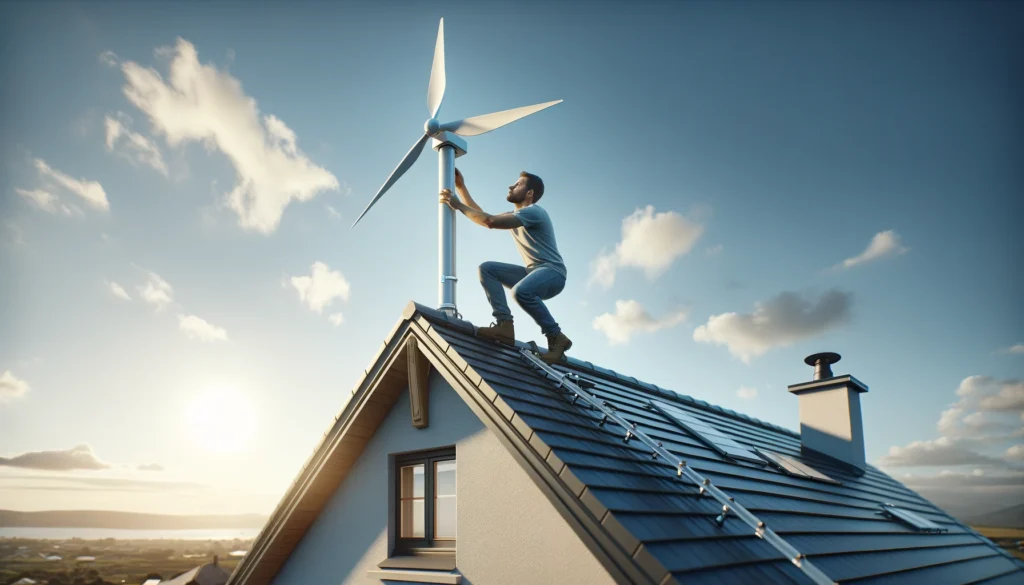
x=534, y=182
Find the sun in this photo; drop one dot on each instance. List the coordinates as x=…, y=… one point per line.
x=222, y=420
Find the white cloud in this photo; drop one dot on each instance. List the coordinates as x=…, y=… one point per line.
x=941, y=452
x=91, y=191
x=778, y=322
x=78, y=457
x=1009, y=398
x=650, y=241
x=883, y=244
x=11, y=387
x=982, y=429
x=197, y=328
x=631, y=318
x=108, y=58
x=1014, y=453
x=135, y=147
x=602, y=270
x=156, y=291
x=747, y=392
x=321, y=287
x=201, y=103
x=118, y=291
x=985, y=409
x=714, y=250
x=967, y=483
x=43, y=200
x=336, y=319
x=333, y=212
x=1015, y=349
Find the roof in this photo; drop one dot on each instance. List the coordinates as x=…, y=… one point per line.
x=208, y=574
x=643, y=524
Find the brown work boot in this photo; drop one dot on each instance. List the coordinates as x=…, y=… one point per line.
x=502, y=332
x=558, y=344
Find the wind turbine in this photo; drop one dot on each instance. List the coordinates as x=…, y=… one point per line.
x=446, y=141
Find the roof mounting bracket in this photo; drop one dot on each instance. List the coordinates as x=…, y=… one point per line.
x=720, y=520
x=682, y=470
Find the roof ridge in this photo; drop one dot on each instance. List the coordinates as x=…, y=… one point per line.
x=442, y=318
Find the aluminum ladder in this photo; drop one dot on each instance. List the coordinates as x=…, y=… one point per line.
x=729, y=504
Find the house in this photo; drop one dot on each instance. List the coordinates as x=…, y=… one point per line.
x=461, y=461
x=208, y=574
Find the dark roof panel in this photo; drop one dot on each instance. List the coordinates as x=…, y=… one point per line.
x=956, y=572
x=839, y=526
x=691, y=555
x=1010, y=577
x=776, y=573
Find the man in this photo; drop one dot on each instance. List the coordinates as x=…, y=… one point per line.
x=544, y=274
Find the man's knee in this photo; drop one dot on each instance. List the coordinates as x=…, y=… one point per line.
x=485, y=269
x=523, y=294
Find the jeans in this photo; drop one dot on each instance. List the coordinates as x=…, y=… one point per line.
x=530, y=289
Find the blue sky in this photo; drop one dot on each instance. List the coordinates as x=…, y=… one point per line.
x=734, y=186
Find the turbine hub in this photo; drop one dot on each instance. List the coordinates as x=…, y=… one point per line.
x=432, y=126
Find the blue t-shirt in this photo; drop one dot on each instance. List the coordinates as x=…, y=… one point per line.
x=536, y=239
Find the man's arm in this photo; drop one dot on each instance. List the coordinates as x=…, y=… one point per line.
x=505, y=221
x=460, y=184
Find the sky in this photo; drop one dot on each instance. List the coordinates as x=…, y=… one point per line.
x=734, y=186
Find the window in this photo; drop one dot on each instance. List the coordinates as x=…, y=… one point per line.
x=911, y=519
x=426, y=505
x=705, y=433
x=793, y=467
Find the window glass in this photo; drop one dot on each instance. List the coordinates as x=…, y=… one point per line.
x=412, y=520
x=444, y=499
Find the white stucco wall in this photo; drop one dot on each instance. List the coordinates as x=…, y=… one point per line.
x=508, y=532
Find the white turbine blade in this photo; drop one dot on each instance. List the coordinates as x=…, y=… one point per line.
x=410, y=157
x=487, y=122
x=435, y=91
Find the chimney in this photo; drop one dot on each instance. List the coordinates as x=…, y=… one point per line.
x=830, y=418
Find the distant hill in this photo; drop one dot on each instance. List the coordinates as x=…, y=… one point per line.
x=1012, y=517
x=126, y=520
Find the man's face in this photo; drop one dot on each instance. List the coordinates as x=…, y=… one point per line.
x=517, y=192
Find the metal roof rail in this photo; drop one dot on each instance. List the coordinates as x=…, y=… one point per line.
x=729, y=504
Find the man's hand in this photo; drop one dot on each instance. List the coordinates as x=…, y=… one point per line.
x=450, y=200
x=460, y=182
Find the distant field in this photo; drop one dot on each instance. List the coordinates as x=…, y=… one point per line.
x=117, y=561
x=1004, y=537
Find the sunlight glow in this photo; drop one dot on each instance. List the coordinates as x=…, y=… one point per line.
x=222, y=420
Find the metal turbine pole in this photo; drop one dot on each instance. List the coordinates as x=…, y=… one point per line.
x=446, y=231
x=448, y=147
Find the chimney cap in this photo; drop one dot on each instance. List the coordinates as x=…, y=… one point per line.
x=822, y=363
x=828, y=357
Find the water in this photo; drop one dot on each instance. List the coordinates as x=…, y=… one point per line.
x=126, y=534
